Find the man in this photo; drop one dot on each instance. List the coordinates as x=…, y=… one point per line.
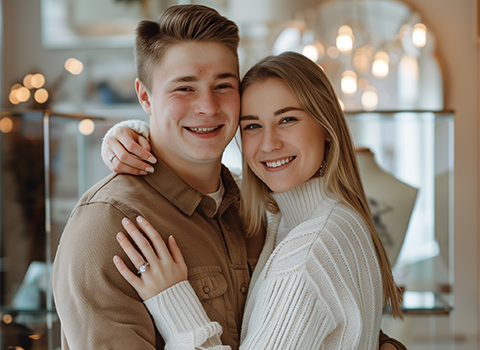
x=187, y=82
x=187, y=68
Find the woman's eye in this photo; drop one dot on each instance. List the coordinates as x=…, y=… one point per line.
x=288, y=120
x=251, y=127
x=184, y=89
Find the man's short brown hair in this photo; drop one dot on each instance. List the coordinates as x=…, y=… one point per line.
x=178, y=24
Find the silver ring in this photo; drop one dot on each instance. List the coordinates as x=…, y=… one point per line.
x=143, y=268
x=112, y=158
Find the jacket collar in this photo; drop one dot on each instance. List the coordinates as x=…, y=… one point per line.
x=186, y=198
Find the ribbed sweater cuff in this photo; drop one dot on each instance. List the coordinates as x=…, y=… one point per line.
x=139, y=126
x=181, y=319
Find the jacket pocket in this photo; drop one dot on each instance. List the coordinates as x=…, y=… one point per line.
x=211, y=288
x=208, y=282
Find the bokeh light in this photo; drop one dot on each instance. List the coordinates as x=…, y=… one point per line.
x=27, y=81
x=41, y=96
x=369, y=100
x=332, y=52
x=74, y=66
x=12, y=97
x=419, y=36
x=348, y=83
x=311, y=52
x=22, y=94
x=7, y=318
x=86, y=126
x=6, y=125
x=380, y=67
x=344, y=43
x=37, y=81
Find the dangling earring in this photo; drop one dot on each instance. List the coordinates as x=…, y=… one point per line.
x=323, y=166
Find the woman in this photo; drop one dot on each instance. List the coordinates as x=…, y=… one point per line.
x=323, y=276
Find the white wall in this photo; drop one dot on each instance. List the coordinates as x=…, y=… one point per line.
x=453, y=22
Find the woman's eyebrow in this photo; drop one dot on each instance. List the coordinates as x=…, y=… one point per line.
x=285, y=110
x=248, y=117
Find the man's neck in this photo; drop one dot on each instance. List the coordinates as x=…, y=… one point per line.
x=204, y=177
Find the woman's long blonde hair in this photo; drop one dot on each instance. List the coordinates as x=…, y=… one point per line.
x=312, y=88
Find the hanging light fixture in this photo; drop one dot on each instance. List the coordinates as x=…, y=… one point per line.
x=419, y=35
x=345, y=39
x=370, y=99
x=348, y=83
x=380, y=64
x=311, y=52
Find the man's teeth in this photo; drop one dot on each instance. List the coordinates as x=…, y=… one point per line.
x=279, y=162
x=203, y=130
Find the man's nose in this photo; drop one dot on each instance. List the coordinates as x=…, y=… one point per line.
x=207, y=104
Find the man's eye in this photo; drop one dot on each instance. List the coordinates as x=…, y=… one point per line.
x=223, y=86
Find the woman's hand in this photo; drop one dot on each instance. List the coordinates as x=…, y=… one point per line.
x=163, y=271
x=125, y=151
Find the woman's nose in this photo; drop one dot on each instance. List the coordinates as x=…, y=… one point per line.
x=271, y=141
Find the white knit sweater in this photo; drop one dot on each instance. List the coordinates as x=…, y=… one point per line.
x=319, y=288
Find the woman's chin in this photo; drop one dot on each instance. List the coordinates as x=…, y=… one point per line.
x=282, y=187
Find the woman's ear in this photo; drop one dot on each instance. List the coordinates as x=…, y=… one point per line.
x=143, y=96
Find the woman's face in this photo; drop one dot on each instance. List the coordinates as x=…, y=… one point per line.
x=282, y=144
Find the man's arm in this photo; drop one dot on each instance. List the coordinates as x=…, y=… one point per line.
x=387, y=343
x=97, y=307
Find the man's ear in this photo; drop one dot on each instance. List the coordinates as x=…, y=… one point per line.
x=143, y=96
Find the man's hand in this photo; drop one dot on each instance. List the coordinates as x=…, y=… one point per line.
x=126, y=152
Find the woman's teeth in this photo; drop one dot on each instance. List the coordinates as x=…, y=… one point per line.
x=279, y=162
x=203, y=130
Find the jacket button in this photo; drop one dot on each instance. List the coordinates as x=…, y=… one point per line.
x=206, y=290
x=243, y=290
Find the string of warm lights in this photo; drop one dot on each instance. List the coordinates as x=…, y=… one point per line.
x=33, y=84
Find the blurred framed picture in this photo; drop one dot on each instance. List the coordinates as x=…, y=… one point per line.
x=94, y=23
x=110, y=80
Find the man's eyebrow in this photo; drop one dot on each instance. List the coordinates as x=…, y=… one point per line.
x=193, y=78
x=227, y=75
x=185, y=79
x=285, y=110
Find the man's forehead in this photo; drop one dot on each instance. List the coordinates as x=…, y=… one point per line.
x=188, y=62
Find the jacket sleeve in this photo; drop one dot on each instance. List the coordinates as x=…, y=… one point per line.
x=385, y=339
x=182, y=321
x=97, y=308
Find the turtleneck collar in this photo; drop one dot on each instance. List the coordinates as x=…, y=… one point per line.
x=296, y=204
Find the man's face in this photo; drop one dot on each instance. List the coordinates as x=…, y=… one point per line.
x=194, y=103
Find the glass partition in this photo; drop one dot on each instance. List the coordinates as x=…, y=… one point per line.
x=47, y=161
x=416, y=148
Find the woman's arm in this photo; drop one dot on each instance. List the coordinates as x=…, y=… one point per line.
x=289, y=310
x=126, y=148
x=168, y=296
